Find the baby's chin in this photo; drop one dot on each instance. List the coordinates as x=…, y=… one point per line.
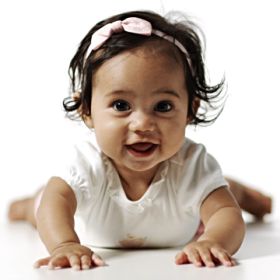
x=138, y=166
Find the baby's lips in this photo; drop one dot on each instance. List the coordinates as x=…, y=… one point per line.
x=141, y=146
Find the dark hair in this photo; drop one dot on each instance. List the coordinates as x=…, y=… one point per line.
x=203, y=98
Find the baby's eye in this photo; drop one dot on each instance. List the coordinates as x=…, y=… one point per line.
x=121, y=105
x=163, y=106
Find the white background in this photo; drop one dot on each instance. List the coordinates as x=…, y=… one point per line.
x=38, y=39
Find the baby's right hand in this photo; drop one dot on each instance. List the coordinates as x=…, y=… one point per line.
x=71, y=255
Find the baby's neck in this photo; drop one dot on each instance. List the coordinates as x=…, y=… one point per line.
x=135, y=184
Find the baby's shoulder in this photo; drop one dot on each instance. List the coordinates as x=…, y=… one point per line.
x=82, y=151
x=191, y=151
x=193, y=161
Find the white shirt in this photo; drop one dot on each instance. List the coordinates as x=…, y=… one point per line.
x=166, y=215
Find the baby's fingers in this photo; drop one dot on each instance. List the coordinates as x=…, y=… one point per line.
x=206, y=257
x=181, y=258
x=41, y=262
x=86, y=262
x=97, y=260
x=223, y=257
x=75, y=262
x=72, y=260
x=59, y=262
x=188, y=256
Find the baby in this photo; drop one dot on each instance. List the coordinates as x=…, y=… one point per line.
x=138, y=81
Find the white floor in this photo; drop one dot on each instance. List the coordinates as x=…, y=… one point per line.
x=259, y=257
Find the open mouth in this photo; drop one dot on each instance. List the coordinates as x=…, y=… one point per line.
x=142, y=149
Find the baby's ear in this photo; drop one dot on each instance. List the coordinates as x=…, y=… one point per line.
x=195, y=106
x=88, y=121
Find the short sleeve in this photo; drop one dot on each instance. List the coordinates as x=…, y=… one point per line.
x=209, y=175
x=82, y=169
x=201, y=174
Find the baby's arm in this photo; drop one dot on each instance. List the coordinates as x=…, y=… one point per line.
x=223, y=235
x=55, y=224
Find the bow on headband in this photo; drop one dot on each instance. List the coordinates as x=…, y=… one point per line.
x=132, y=25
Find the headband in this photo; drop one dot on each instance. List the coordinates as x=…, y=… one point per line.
x=131, y=25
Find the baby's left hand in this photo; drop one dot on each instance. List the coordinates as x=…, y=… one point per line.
x=204, y=252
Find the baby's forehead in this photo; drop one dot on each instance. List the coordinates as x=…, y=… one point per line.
x=158, y=55
x=151, y=47
x=161, y=48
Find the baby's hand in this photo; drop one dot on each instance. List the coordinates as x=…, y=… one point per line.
x=71, y=255
x=204, y=252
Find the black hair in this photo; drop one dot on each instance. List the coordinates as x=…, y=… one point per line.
x=204, y=100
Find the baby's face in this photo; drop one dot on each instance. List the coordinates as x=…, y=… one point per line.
x=139, y=109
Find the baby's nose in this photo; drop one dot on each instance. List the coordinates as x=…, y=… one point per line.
x=141, y=121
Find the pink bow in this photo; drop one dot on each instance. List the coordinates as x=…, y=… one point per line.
x=131, y=25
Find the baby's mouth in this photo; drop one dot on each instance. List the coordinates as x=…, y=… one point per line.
x=142, y=148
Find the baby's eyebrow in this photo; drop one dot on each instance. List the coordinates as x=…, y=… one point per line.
x=167, y=91
x=163, y=91
x=119, y=92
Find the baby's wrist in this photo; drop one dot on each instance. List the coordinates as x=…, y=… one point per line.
x=205, y=237
x=64, y=244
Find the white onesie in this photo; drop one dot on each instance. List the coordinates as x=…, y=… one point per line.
x=166, y=215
